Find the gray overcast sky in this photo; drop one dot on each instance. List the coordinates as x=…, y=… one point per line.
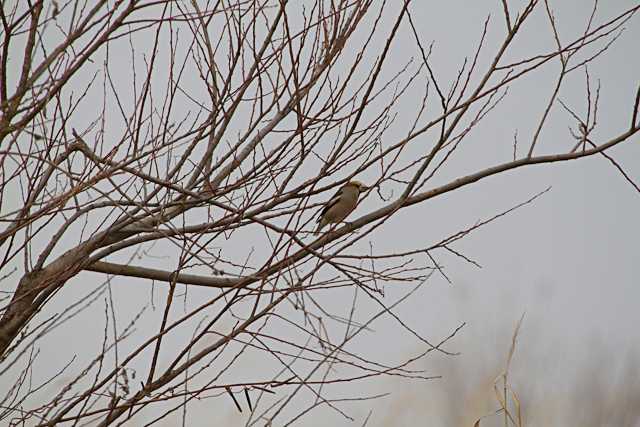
x=570, y=260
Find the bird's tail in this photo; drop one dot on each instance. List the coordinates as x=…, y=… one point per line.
x=321, y=224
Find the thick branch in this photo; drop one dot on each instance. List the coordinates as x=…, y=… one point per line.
x=162, y=275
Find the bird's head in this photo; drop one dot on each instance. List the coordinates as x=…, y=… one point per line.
x=356, y=184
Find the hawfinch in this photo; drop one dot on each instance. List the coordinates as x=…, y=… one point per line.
x=341, y=204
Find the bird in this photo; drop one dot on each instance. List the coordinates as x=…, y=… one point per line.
x=341, y=204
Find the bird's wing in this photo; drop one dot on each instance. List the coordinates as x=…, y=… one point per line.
x=335, y=199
